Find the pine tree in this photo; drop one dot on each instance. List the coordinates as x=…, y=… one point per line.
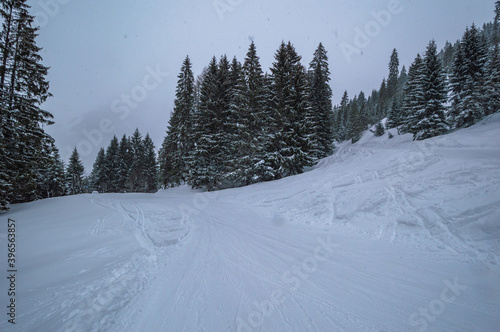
x=394, y=118
x=321, y=102
x=179, y=142
x=493, y=81
x=363, y=111
x=383, y=100
x=125, y=159
x=209, y=162
x=98, y=179
x=136, y=180
x=496, y=25
x=292, y=149
x=205, y=119
x=448, y=55
x=51, y=178
x=240, y=132
x=430, y=121
x=468, y=79
x=403, y=78
x=392, y=80
x=74, y=174
x=342, y=119
x=379, y=130
x=150, y=166
x=257, y=117
x=413, y=101
x=23, y=88
x=356, y=124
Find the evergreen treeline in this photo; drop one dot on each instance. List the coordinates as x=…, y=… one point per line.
x=443, y=90
x=236, y=125
x=128, y=165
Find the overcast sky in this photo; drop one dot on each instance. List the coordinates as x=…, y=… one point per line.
x=114, y=63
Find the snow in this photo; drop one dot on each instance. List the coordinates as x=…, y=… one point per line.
x=385, y=235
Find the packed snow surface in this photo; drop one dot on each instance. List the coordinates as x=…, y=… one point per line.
x=385, y=235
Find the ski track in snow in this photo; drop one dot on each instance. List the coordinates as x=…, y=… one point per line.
x=399, y=221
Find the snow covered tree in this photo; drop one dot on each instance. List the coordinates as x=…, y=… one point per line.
x=356, y=126
x=179, y=142
x=341, y=130
x=413, y=101
x=392, y=80
x=112, y=166
x=51, y=178
x=240, y=168
x=394, y=117
x=150, y=165
x=257, y=117
x=493, y=81
x=379, y=130
x=125, y=159
x=320, y=98
x=135, y=182
x=23, y=88
x=74, y=174
x=496, y=25
x=98, y=179
x=430, y=121
x=383, y=100
x=468, y=79
x=206, y=161
x=291, y=148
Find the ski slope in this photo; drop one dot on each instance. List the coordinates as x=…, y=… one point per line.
x=385, y=235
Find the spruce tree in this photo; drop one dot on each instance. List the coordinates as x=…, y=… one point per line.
x=493, y=81
x=379, y=130
x=74, y=174
x=342, y=119
x=496, y=25
x=383, y=101
x=394, y=117
x=468, y=79
x=392, y=80
x=51, y=178
x=257, y=116
x=150, y=165
x=430, y=121
x=320, y=97
x=125, y=159
x=136, y=179
x=23, y=88
x=98, y=179
x=241, y=133
x=178, y=142
x=292, y=148
x=356, y=124
x=413, y=101
x=207, y=120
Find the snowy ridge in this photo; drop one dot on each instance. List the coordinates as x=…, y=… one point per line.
x=385, y=235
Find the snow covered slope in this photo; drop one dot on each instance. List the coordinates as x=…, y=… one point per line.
x=385, y=235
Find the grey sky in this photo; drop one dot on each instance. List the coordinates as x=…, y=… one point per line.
x=100, y=52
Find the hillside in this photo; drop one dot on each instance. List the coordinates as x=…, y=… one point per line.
x=385, y=235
